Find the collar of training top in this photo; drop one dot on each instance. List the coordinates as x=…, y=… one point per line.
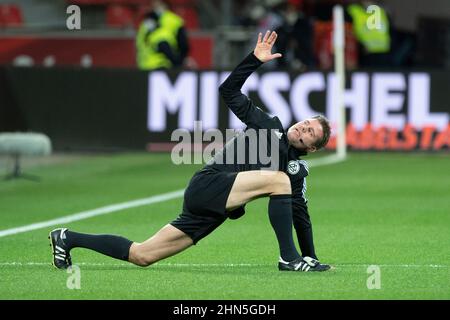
x=296, y=153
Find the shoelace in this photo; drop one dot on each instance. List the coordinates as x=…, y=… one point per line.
x=311, y=261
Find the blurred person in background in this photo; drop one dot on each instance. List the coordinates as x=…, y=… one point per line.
x=300, y=30
x=295, y=32
x=161, y=40
x=373, y=36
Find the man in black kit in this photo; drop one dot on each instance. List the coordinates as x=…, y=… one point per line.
x=221, y=190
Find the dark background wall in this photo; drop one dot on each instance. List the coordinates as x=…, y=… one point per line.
x=77, y=108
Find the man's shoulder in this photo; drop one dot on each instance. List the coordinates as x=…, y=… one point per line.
x=260, y=119
x=268, y=122
x=297, y=169
x=277, y=122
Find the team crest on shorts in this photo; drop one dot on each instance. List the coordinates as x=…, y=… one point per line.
x=293, y=167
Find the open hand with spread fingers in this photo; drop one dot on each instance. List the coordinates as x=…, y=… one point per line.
x=263, y=49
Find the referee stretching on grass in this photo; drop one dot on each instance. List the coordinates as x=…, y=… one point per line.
x=220, y=191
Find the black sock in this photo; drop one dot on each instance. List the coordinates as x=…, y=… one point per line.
x=280, y=215
x=113, y=246
x=305, y=240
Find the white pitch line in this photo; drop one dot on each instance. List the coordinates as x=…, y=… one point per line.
x=130, y=204
x=178, y=265
x=323, y=161
x=395, y=265
x=93, y=213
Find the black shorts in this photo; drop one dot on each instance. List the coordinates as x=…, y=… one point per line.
x=204, y=203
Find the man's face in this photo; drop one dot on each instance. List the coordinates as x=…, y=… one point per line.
x=304, y=134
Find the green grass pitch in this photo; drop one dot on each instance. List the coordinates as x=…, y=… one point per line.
x=391, y=210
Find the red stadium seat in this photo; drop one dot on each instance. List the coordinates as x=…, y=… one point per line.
x=140, y=13
x=86, y=2
x=181, y=2
x=108, y=2
x=323, y=45
x=189, y=16
x=10, y=15
x=119, y=16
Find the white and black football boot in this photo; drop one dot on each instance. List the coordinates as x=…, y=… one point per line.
x=316, y=265
x=60, y=252
x=303, y=264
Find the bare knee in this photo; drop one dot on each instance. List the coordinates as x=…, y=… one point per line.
x=280, y=184
x=140, y=257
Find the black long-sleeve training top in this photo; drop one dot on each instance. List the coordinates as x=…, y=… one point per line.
x=239, y=154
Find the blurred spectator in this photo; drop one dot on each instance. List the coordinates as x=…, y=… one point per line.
x=294, y=29
x=300, y=29
x=372, y=30
x=274, y=19
x=161, y=40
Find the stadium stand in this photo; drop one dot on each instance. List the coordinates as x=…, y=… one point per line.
x=125, y=13
x=119, y=16
x=107, y=2
x=10, y=16
x=189, y=15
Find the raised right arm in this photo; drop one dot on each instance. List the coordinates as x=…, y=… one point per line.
x=230, y=89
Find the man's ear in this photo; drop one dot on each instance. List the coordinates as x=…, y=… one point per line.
x=311, y=149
